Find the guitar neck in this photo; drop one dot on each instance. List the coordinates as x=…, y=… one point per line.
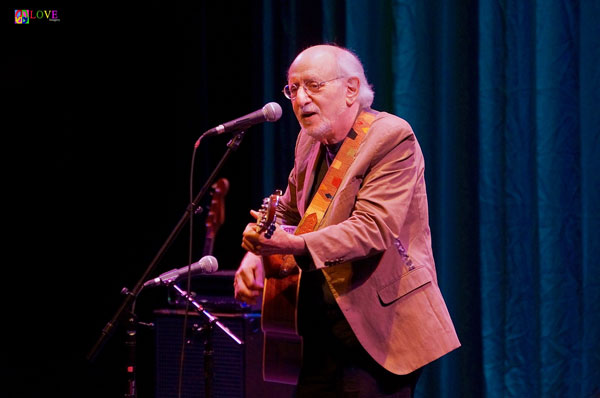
x=209, y=242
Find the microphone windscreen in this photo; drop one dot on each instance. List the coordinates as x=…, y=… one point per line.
x=207, y=264
x=272, y=111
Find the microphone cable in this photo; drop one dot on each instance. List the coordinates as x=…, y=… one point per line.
x=189, y=278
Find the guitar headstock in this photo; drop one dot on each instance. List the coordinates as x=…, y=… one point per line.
x=268, y=215
x=216, y=214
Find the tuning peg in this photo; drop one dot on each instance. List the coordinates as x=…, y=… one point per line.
x=270, y=231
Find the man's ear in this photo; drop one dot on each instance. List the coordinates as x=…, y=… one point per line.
x=353, y=85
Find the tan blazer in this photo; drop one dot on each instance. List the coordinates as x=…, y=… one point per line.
x=374, y=246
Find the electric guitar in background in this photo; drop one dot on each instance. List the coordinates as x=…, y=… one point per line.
x=214, y=219
x=282, y=349
x=216, y=214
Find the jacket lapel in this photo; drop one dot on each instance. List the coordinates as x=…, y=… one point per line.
x=310, y=176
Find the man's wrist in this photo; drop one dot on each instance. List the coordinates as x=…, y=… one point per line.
x=298, y=245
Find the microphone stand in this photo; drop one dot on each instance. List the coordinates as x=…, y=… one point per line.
x=211, y=321
x=127, y=306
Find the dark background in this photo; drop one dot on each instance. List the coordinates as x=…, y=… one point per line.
x=102, y=109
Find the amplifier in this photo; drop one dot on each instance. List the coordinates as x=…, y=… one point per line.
x=237, y=369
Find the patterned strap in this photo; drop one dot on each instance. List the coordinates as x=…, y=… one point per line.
x=333, y=178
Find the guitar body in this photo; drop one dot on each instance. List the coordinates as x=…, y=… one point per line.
x=282, y=348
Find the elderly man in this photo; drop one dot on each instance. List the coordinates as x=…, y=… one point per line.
x=370, y=311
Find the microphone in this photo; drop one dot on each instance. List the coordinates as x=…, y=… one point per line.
x=205, y=265
x=269, y=113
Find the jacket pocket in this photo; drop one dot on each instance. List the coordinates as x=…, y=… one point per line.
x=404, y=285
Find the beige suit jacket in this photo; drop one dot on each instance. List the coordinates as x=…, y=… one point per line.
x=374, y=246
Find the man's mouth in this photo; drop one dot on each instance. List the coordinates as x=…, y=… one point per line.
x=306, y=115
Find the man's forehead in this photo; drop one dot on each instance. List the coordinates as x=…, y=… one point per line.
x=312, y=64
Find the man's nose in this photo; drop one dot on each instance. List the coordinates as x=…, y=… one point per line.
x=302, y=96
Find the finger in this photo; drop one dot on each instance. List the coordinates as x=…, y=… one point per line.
x=244, y=290
x=250, y=245
x=246, y=278
x=251, y=228
x=251, y=237
x=249, y=300
x=240, y=287
x=247, y=296
x=249, y=248
x=251, y=241
x=255, y=214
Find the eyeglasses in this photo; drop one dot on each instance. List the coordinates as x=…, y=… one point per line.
x=311, y=87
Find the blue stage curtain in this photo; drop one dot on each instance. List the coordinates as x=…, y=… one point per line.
x=504, y=97
x=538, y=196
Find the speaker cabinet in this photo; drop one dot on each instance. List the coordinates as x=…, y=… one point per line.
x=237, y=369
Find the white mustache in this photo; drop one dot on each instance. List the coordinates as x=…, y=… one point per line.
x=309, y=109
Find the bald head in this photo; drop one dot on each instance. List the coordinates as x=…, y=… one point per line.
x=321, y=54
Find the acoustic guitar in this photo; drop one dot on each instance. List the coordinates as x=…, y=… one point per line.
x=282, y=349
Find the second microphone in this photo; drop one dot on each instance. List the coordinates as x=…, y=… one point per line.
x=205, y=265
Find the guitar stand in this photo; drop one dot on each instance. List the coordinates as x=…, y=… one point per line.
x=207, y=331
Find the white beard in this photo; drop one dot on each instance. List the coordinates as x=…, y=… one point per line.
x=324, y=131
x=319, y=132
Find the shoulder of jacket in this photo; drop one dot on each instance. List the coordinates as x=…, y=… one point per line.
x=387, y=131
x=392, y=124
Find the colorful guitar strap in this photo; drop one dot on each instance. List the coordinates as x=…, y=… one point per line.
x=333, y=178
